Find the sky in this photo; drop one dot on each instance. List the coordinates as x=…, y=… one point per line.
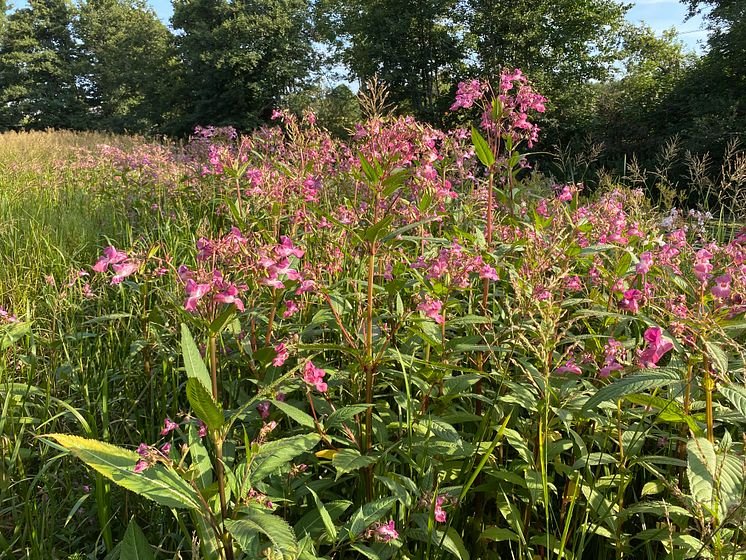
x=658, y=14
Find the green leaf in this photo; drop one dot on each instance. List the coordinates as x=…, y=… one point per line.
x=450, y=541
x=701, y=465
x=636, y=383
x=368, y=514
x=14, y=333
x=718, y=356
x=736, y=396
x=348, y=460
x=159, y=483
x=134, y=545
x=499, y=534
x=331, y=530
x=203, y=405
x=378, y=229
x=345, y=414
x=295, y=413
x=195, y=367
x=370, y=172
x=482, y=148
x=273, y=527
x=275, y=454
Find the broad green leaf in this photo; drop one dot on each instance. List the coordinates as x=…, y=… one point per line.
x=275, y=454
x=201, y=465
x=718, y=357
x=195, y=367
x=636, y=383
x=370, y=172
x=202, y=404
x=345, y=414
x=666, y=410
x=736, y=396
x=134, y=544
x=14, y=333
x=275, y=528
x=700, y=469
x=499, y=534
x=368, y=514
x=158, y=483
x=450, y=541
x=295, y=414
x=348, y=460
x=331, y=530
x=482, y=148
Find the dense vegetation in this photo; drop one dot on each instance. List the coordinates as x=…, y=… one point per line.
x=113, y=65
x=409, y=344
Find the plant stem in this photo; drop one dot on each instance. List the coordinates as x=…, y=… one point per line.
x=709, y=385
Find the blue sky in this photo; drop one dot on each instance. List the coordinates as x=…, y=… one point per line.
x=664, y=14
x=658, y=14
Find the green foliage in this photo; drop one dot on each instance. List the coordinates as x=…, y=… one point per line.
x=240, y=58
x=130, y=64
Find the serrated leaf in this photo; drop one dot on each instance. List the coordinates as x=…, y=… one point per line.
x=368, y=514
x=736, y=396
x=639, y=382
x=159, y=483
x=276, y=529
x=275, y=454
x=202, y=404
x=134, y=544
x=349, y=460
x=701, y=465
x=482, y=148
x=295, y=413
x=195, y=367
x=345, y=414
x=718, y=357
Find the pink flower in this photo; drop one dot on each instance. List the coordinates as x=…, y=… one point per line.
x=121, y=271
x=721, y=289
x=194, y=293
x=168, y=426
x=143, y=450
x=631, y=300
x=569, y=367
x=656, y=349
x=286, y=248
x=281, y=354
x=291, y=308
x=110, y=256
x=141, y=465
x=166, y=449
x=488, y=272
x=467, y=93
x=228, y=296
x=440, y=514
x=263, y=408
x=315, y=376
x=202, y=429
x=432, y=307
x=573, y=283
x=387, y=532
x=646, y=261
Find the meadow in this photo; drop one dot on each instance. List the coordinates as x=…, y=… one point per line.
x=407, y=344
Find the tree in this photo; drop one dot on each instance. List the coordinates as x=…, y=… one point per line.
x=564, y=46
x=415, y=47
x=39, y=62
x=130, y=64
x=241, y=58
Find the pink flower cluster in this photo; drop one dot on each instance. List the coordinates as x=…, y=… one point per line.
x=315, y=376
x=196, y=288
x=656, y=348
x=122, y=265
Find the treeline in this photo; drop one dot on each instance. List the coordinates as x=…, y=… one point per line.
x=113, y=65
